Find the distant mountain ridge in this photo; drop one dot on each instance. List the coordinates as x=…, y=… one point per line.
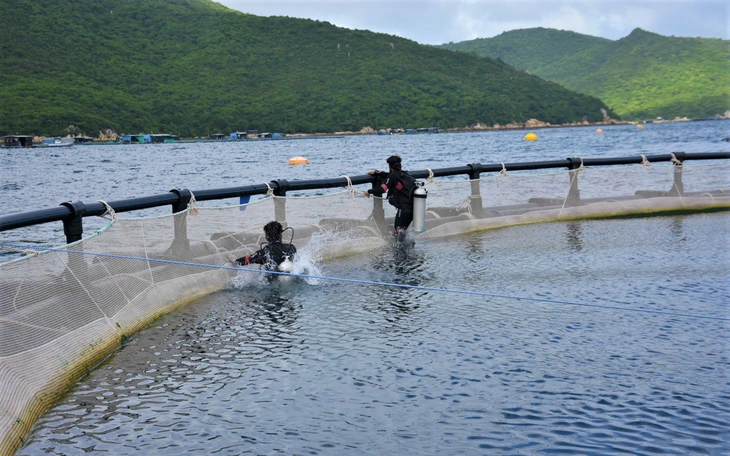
x=194, y=67
x=643, y=75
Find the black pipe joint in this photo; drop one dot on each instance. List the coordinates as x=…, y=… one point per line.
x=574, y=162
x=476, y=170
x=282, y=185
x=183, y=199
x=73, y=226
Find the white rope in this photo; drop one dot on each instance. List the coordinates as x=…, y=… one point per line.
x=466, y=203
x=645, y=161
x=270, y=192
x=149, y=260
x=677, y=163
x=192, y=205
x=430, y=175
x=109, y=211
x=350, y=189
x=504, y=170
x=23, y=251
x=573, y=177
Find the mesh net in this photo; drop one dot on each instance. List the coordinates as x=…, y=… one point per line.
x=63, y=310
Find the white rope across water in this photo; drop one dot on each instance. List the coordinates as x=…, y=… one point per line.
x=386, y=284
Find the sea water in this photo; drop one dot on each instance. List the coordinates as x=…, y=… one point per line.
x=590, y=337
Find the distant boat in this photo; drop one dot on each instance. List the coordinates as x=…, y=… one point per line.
x=57, y=142
x=15, y=141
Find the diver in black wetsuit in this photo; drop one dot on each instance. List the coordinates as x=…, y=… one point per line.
x=393, y=183
x=273, y=254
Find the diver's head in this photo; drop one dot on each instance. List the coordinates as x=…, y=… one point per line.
x=394, y=162
x=273, y=231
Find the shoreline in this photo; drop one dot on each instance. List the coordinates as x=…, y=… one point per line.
x=532, y=124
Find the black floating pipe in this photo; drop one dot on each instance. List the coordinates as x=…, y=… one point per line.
x=23, y=219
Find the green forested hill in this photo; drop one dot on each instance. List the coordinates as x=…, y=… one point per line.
x=193, y=67
x=530, y=49
x=643, y=75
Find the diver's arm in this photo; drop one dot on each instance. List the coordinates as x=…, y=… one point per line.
x=380, y=183
x=256, y=258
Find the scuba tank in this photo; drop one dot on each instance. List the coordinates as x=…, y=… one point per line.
x=419, y=208
x=286, y=265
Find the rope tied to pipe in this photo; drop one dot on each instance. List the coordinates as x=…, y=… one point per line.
x=193, y=205
x=677, y=163
x=270, y=191
x=109, y=211
x=350, y=189
x=645, y=161
x=430, y=175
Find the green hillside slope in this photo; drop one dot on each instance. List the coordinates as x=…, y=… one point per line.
x=643, y=75
x=529, y=49
x=193, y=67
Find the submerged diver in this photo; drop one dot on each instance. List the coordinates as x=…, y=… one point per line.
x=274, y=256
x=399, y=185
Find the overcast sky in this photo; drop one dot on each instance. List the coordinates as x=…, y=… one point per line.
x=441, y=21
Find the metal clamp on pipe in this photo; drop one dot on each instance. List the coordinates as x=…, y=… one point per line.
x=282, y=186
x=476, y=170
x=574, y=162
x=73, y=226
x=183, y=199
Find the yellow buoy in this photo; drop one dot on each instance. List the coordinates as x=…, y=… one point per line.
x=531, y=137
x=639, y=127
x=298, y=161
x=599, y=131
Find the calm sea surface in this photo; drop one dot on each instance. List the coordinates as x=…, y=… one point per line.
x=345, y=368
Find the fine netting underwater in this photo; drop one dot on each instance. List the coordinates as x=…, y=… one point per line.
x=64, y=309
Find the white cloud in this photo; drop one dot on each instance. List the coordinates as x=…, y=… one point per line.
x=440, y=21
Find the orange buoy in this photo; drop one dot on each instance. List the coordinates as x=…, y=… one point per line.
x=298, y=161
x=599, y=131
x=640, y=126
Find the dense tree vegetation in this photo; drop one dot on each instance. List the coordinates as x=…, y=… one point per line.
x=643, y=75
x=194, y=67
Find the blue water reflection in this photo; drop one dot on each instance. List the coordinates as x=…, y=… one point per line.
x=345, y=368
x=341, y=368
